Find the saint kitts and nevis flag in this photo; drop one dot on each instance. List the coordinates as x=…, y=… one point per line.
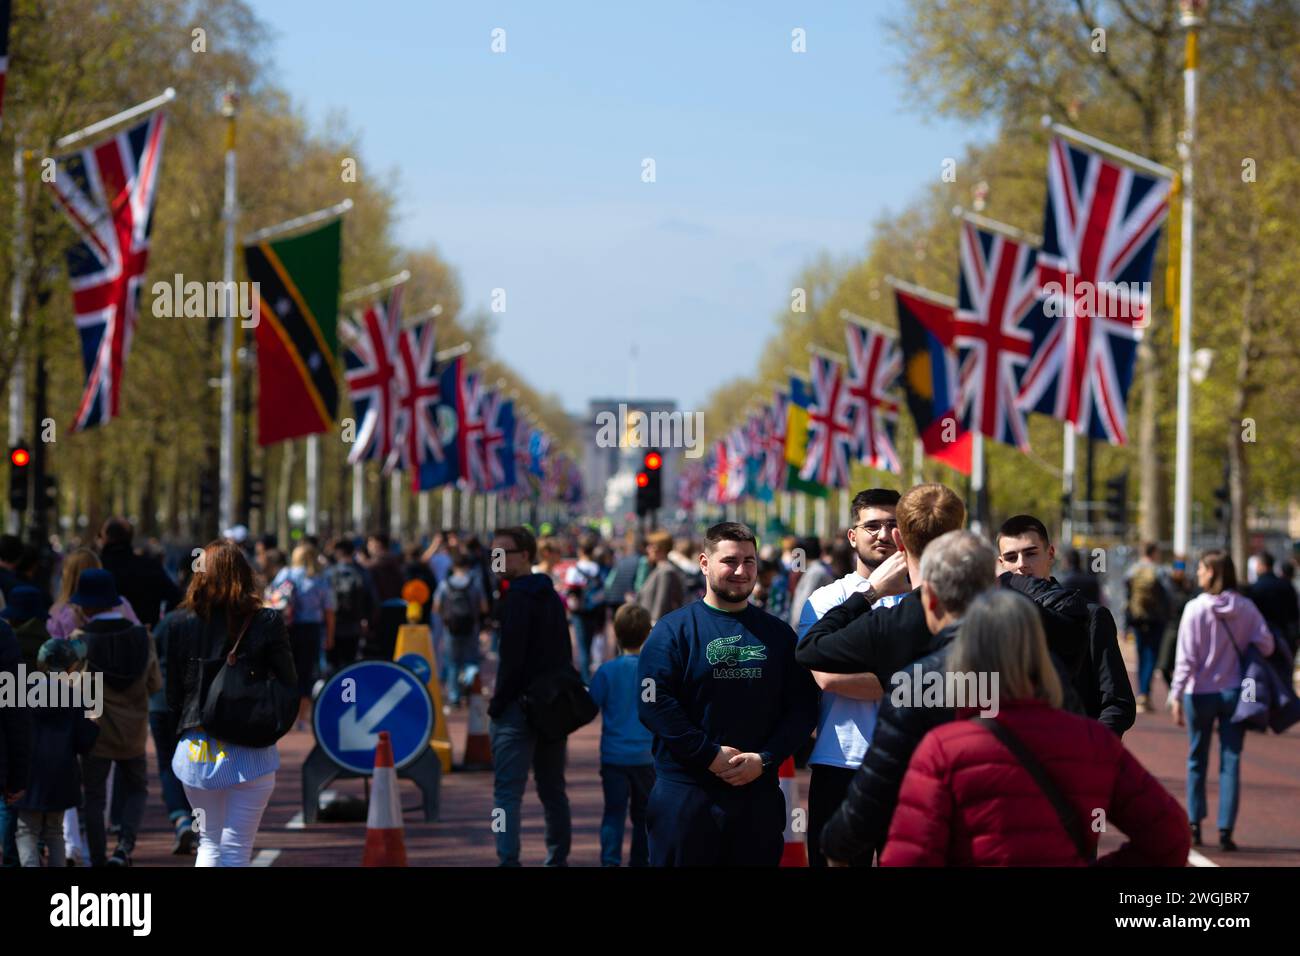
x=297, y=337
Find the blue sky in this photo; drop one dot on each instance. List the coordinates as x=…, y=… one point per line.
x=525, y=167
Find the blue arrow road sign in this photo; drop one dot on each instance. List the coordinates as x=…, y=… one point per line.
x=365, y=698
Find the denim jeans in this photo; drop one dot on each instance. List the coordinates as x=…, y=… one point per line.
x=1201, y=711
x=621, y=785
x=131, y=777
x=162, y=725
x=1149, y=635
x=464, y=663
x=516, y=747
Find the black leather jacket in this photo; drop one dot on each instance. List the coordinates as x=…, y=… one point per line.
x=191, y=640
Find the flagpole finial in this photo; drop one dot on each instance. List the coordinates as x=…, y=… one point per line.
x=1046, y=121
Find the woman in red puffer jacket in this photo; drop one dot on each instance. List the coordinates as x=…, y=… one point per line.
x=968, y=801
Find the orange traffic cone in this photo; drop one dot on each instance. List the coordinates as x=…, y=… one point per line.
x=478, y=745
x=385, y=845
x=796, y=850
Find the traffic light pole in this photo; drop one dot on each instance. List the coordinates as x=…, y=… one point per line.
x=17, y=380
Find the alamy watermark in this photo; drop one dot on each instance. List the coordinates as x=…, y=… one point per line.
x=1105, y=300
x=948, y=689
x=640, y=429
x=200, y=300
x=39, y=689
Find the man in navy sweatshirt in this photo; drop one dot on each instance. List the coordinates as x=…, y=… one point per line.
x=726, y=702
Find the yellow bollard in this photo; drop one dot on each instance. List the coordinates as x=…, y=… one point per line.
x=416, y=638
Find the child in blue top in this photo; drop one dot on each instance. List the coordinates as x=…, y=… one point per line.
x=626, y=763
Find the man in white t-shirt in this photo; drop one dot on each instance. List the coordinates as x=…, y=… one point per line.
x=849, y=701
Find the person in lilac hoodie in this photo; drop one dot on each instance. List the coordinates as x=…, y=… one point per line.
x=1217, y=627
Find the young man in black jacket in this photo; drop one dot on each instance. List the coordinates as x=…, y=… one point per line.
x=1098, y=675
x=534, y=641
x=956, y=568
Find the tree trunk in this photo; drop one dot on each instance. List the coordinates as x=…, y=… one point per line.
x=283, y=491
x=1238, y=467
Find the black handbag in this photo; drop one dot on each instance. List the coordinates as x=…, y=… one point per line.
x=246, y=704
x=556, y=703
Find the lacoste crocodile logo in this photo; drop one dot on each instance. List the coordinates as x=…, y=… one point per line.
x=724, y=650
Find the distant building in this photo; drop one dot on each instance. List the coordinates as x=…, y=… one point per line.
x=608, y=432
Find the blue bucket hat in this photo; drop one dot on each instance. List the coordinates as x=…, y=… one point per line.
x=96, y=588
x=25, y=603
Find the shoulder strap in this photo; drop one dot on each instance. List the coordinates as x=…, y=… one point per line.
x=1068, y=816
x=230, y=658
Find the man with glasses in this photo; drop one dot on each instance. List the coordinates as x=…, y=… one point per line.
x=849, y=701
x=534, y=641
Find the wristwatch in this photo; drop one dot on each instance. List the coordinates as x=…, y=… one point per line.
x=870, y=594
x=767, y=760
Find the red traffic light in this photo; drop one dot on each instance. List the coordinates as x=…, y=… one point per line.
x=653, y=460
x=20, y=457
x=642, y=479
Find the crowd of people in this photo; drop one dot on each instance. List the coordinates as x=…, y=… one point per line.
x=709, y=662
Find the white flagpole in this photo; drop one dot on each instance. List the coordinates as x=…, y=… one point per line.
x=820, y=516
x=422, y=512
x=375, y=288
x=395, y=506
x=846, y=517
x=992, y=225
x=1183, y=434
x=291, y=225
x=918, y=460
x=313, y=482
x=139, y=109
x=359, y=498
x=1114, y=152
x=922, y=293
x=226, y=483
x=448, y=507
x=976, y=480
x=866, y=323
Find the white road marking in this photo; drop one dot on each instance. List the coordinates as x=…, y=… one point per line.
x=1199, y=859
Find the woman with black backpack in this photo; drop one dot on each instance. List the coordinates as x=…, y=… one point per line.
x=232, y=686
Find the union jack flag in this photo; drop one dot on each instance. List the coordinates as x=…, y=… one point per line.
x=737, y=453
x=495, y=445
x=472, y=396
x=998, y=300
x=830, y=429
x=1100, y=230
x=774, y=463
x=875, y=363
x=370, y=360
x=107, y=191
x=418, y=386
